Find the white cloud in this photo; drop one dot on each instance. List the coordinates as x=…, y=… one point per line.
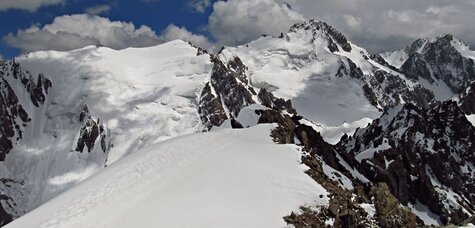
x=239, y=21
x=30, y=5
x=386, y=24
x=173, y=32
x=75, y=31
x=199, y=5
x=98, y=9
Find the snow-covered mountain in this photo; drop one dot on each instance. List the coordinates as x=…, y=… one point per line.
x=330, y=81
x=384, y=140
x=96, y=106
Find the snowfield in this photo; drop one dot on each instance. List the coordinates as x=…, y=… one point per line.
x=144, y=95
x=224, y=178
x=141, y=95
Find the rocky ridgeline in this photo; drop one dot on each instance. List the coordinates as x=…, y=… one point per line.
x=424, y=155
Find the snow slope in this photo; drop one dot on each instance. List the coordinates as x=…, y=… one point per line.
x=224, y=178
x=140, y=95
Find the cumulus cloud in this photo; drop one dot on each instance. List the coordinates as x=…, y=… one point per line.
x=173, y=32
x=239, y=21
x=98, y=9
x=30, y=5
x=381, y=25
x=199, y=5
x=75, y=31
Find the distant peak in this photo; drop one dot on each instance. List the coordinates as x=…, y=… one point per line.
x=320, y=27
x=420, y=44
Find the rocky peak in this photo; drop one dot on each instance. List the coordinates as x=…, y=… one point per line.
x=336, y=39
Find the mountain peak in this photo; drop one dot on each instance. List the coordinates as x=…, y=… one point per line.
x=334, y=37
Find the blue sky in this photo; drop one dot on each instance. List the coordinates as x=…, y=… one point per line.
x=377, y=25
x=155, y=14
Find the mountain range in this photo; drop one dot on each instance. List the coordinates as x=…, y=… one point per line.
x=304, y=129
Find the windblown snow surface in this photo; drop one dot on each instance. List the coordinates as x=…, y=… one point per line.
x=141, y=95
x=224, y=178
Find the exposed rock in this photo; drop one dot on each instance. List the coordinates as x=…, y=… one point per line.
x=283, y=133
x=228, y=90
x=210, y=108
x=467, y=99
x=307, y=218
x=91, y=131
x=389, y=211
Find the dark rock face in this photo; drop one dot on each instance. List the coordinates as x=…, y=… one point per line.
x=13, y=115
x=10, y=109
x=228, y=90
x=467, y=99
x=210, y=108
x=91, y=130
x=439, y=60
x=421, y=154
